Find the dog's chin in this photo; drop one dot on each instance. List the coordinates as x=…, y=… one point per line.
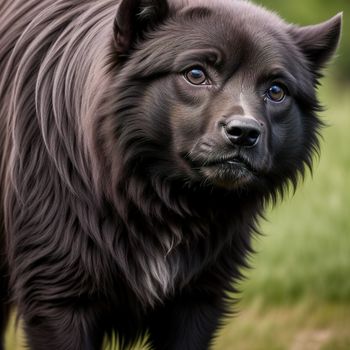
x=230, y=174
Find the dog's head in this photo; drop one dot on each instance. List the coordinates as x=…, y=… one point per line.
x=217, y=92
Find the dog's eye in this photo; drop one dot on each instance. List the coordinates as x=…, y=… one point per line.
x=196, y=76
x=276, y=93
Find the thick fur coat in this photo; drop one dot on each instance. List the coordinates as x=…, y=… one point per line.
x=139, y=144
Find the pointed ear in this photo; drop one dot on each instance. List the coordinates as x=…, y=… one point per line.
x=319, y=42
x=134, y=17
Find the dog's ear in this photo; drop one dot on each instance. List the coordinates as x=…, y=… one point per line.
x=319, y=42
x=134, y=18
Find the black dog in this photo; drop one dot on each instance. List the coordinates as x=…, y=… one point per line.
x=140, y=142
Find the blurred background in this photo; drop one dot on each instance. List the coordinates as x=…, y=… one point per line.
x=297, y=294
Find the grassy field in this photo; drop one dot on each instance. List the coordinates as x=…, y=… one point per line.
x=297, y=295
x=303, y=326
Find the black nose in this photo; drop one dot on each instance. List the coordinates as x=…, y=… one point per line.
x=243, y=132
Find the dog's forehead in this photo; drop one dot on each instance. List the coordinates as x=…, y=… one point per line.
x=237, y=9
x=240, y=30
x=245, y=36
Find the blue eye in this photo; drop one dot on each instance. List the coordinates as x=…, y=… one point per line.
x=196, y=76
x=276, y=93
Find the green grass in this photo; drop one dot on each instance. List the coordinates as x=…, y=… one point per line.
x=304, y=326
x=297, y=295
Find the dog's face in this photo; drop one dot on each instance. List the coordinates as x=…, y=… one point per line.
x=226, y=90
x=234, y=111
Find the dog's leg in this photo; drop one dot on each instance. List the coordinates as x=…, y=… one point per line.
x=63, y=329
x=188, y=324
x=4, y=307
x=4, y=293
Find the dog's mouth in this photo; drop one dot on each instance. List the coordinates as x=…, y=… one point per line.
x=235, y=162
x=229, y=171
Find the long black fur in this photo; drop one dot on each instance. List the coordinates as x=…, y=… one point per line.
x=110, y=219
